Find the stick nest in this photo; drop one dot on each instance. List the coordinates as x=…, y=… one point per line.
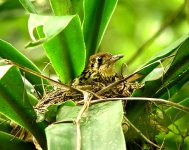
x=62, y=94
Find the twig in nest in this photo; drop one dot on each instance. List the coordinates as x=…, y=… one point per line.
x=115, y=83
x=94, y=94
x=141, y=134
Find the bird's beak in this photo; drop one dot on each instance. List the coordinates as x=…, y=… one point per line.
x=116, y=57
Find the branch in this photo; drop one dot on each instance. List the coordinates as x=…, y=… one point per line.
x=87, y=99
x=42, y=76
x=158, y=100
x=141, y=134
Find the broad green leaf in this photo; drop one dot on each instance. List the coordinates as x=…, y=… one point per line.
x=9, y=142
x=50, y=26
x=15, y=104
x=97, y=14
x=7, y=51
x=67, y=7
x=177, y=75
x=78, y=8
x=61, y=7
x=63, y=43
x=61, y=135
x=100, y=128
x=167, y=84
x=69, y=103
x=155, y=60
x=187, y=9
x=173, y=79
x=32, y=98
x=27, y=4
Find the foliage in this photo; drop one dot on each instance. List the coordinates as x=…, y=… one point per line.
x=69, y=35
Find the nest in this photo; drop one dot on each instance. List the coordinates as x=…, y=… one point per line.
x=75, y=93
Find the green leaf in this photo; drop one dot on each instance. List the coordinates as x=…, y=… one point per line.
x=168, y=83
x=69, y=103
x=50, y=114
x=27, y=4
x=155, y=60
x=15, y=104
x=78, y=8
x=9, y=142
x=67, y=7
x=97, y=15
x=61, y=7
x=177, y=75
x=100, y=128
x=63, y=43
x=7, y=51
x=174, y=77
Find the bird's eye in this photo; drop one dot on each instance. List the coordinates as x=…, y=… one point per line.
x=99, y=59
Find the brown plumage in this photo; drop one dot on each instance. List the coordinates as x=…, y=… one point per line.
x=101, y=68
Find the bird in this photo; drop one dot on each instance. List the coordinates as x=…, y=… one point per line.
x=100, y=68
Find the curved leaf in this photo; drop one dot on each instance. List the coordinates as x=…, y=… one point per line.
x=167, y=84
x=63, y=43
x=28, y=6
x=97, y=14
x=15, y=104
x=67, y=7
x=154, y=61
x=100, y=128
x=176, y=73
x=7, y=51
x=61, y=7
x=9, y=142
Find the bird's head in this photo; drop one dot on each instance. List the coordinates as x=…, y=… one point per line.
x=103, y=63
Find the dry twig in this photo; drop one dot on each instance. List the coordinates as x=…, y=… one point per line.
x=87, y=99
x=157, y=100
x=42, y=76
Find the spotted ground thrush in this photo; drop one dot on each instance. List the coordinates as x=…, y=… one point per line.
x=101, y=68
